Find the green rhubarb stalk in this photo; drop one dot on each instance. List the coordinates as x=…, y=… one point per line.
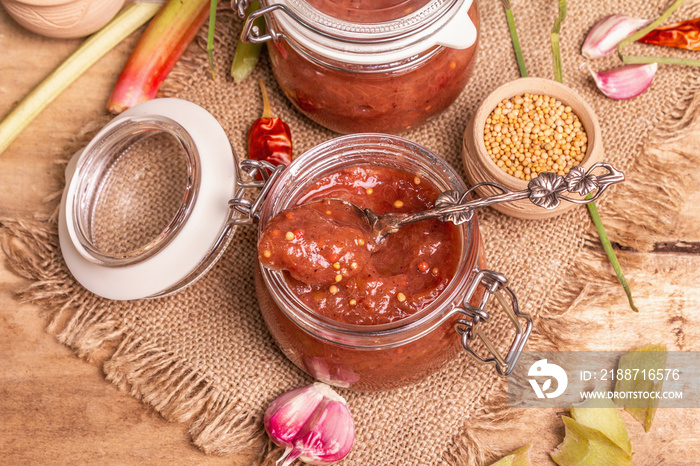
x=247, y=54
x=210, y=37
x=514, y=38
x=157, y=51
x=556, y=51
x=646, y=30
x=607, y=246
x=95, y=47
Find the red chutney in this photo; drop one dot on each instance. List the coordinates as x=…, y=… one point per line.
x=327, y=254
x=318, y=244
x=387, y=98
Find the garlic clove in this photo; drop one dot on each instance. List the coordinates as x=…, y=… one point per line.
x=603, y=38
x=313, y=424
x=626, y=81
x=328, y=436
x=286, y=416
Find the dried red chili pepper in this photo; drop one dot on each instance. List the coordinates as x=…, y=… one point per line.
x=683, y=35
x=269, y=138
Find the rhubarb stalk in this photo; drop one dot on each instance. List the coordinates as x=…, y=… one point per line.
x=155, y=54
x=95, y=47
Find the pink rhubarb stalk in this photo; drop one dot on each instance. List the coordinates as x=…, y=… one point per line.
x=157, y=51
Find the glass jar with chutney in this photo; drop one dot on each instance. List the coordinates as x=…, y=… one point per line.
x=414, y=305
x=369, y=66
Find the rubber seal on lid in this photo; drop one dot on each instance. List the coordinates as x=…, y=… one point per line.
x=103, y=182
x=440, y=22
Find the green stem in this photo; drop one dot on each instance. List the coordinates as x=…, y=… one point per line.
x=247, y=54
x=95, y=47
x=646, y=30
x=605, y=241
x=210, y=37
x=516, y=42
x=267, y=109
x=663, y=60
x=556, y=50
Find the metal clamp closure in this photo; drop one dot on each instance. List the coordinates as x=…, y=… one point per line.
x=494, y=284
x=251, y=33
x=262, y=176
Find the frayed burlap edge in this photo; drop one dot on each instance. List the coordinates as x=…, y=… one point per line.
x=219, y=426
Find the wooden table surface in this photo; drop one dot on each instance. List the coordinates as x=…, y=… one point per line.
x=58, y=409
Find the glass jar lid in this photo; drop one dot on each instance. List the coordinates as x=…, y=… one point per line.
x=374, y=11
x=146, y=208
x=382, y=33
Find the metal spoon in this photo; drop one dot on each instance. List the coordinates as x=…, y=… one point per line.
x=546, y=191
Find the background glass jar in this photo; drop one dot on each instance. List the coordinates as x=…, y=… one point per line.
x=351, y=75
x=370, y=357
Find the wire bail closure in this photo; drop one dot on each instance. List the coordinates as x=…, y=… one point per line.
x=251, y=208
x=493, y=283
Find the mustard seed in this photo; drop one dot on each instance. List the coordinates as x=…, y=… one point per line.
x=528, y=134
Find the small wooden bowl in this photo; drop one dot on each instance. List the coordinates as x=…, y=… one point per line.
x=63, y=19
x=480, y=167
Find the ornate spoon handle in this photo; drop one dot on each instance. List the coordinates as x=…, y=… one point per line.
x=546, y=190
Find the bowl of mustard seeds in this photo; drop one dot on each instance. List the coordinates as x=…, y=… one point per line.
x=524, y=128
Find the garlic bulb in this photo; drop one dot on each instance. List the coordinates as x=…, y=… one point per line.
x=603, y=38
x=626, y=81
x=313, y=424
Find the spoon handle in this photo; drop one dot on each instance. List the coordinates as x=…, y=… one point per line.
x=546, y=190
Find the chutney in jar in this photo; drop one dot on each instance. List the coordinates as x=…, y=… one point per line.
x=385, y=341
x=329, y=258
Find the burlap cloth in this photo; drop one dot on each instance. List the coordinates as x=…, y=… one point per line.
x=204, y=355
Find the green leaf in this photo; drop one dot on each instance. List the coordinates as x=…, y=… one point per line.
x=585, y=446
x=603, y=415
x=519, y=457
x=641, y=364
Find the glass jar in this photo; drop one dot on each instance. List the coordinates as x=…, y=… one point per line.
x=155, y=197
x=371, y=357
x=378, y=67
